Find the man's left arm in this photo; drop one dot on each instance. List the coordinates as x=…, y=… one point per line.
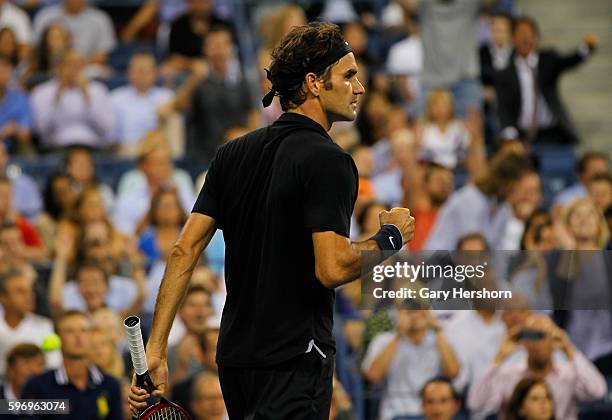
x=584, y=51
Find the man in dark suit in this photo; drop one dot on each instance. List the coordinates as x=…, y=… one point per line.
x=527, y=90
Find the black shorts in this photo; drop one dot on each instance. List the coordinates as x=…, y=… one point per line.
x=299, y=389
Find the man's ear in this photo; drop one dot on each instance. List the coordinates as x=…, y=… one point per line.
x=313, y=84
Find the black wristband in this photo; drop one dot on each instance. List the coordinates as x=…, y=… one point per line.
x=389, y=238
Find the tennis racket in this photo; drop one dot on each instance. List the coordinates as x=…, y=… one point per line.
x=161, y=409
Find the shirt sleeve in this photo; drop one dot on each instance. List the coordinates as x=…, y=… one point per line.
x=589, y=384
x=208, y=199
x=378, y=344
x=330, y=191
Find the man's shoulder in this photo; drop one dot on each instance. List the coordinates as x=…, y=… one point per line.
x=94, y=14
x=39, y=320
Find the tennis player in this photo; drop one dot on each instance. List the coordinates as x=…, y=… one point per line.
x=283, y=196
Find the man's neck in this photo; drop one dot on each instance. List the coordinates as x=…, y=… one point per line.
x=77, y=371
x=538, y=370
x=313, y=111
x=13, y=319
x=14, y=387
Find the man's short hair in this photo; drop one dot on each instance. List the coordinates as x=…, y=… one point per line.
x=89, y=265
x=584, y=160
x=67, y=314
x=441, y=380
x=601, y=177
x=23, y=351
x=196, y=288
x=526, y=20
x=6, y=60
x=302, y=46
x=5, y=277
x=202, y=376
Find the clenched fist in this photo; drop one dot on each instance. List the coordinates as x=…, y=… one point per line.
x=401, y=218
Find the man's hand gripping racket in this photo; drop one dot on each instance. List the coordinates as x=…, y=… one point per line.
x=146, y=399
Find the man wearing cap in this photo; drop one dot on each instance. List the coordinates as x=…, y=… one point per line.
x=283, y=196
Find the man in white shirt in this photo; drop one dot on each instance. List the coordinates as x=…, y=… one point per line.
x=70, y=110
x=19, y=324
x=140, y=106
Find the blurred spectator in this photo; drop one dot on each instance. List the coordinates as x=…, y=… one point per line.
x=105, y=354
x=450, y=50
x=187, y=357
x=34, y=248
x=571, y=382
x=155, y=171
x=217, y=95
x=368, y=219
x=496, y=55
x=531, y=400
x=341, y=405
x=475, y=337
x=406, y=359
x=364, y=161
x=447, y=141
x=206, y=398
x=19, y=323
x=537, y=112
x=92, y=31
x=88, y=390
x=207, y=345
x=18, y=21
x=14, y=253
x=589, y=165
x=25, y=194
x=600, y=191
x=44, y=58
x=70, y=110
x=141, y=106
x=22, y=362
x=188, y=32
x=582, y=226
x=608, y=216
x=480, y=207
x=439, y=400
x=160, y=229
x=15, y=113
x=9, y=47
x=79, y=165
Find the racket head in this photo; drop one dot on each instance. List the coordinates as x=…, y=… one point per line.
x=164, y=410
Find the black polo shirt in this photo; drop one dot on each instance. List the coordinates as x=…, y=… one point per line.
x=100, y=400
x=268, y=191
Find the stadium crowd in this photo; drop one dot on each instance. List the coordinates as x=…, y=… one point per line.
x=111, y=111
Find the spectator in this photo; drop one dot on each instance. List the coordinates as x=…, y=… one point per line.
x=495, y=56
x=70, y=110
x=91, y=29
x=475, y=336
x=14, y=251
x=13, y=17
x=188, y=31
x=25, y=194
x=448, y=141
x=600, y=191
x=22, y=362
x=407, y=358
x=439, y=400
x=165, y=11
x=207, y=350
x=79, y=165
x=186, y=358
x=364, y=161
x=541, y=118
x=88, y=390
x=15, y=113
x=531, y=400
x=141, y=106
x=480, y=207
x=44, y=58
x=450, y=51
x=589, y=165
x=160, y=229
x=155, y=171
x=206, y=398
x=368, y=220
x=105, y=354
x=571, y=382
x=19, y=323
x=608, y=216
x=35, y=249
x=8, y=46
x=217, y=95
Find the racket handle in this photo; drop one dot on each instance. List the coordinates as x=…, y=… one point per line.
x=136, y=345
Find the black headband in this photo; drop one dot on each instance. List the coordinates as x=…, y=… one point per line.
x=334, y=54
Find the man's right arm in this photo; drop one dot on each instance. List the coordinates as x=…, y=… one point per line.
x=183, y=257
x=339, y=261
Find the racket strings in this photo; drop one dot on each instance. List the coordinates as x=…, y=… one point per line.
x=167, y=413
